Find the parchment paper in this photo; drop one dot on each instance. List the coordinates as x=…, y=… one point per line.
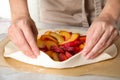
x=105, y=68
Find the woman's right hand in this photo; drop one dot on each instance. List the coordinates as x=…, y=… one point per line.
x=23, y=33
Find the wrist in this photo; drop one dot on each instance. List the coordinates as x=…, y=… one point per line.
x=111, y=10
x=16, y=18
x=107, y=17
x=19, y=9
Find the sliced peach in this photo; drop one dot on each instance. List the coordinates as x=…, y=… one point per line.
x=38, y=37
x=74, y=37
x=47, y=32
x=82, y=46
x=49, y=44
x=49, y=53
x=65, y=34
x=55, y=56
x=61, y=45
x=57, y=36
x=40, y=43
x=48, y=37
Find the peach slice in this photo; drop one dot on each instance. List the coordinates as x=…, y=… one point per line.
x=57, y=36
x=48, y=37
x=49, y=53
x=53, y=55
x=47, y=32
x=49, y=44
x=38, y=37
x=74, y=37
x=82, y=46
x=65, y=34
x=40, y=43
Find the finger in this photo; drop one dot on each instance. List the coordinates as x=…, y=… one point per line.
x=34, y=30
x=101, y=46
x=100, y=51
x=91, y=42
x=31, y=40
x=89, y=32
x=19, y=39
x=101, y=43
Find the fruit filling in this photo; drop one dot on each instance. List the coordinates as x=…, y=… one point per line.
x=61, y=45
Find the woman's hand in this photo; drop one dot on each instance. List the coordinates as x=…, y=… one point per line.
x=23, y=33
x=101, y=34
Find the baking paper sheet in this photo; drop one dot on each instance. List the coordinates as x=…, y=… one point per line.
x=44, y=60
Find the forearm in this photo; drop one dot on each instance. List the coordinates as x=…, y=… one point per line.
x=19, y=9
x=112, y=9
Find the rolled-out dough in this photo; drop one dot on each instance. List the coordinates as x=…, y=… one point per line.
x=45, y=61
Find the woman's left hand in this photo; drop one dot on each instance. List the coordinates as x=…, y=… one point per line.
x=101, y=34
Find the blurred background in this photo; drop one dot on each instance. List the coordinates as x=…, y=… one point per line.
x=5, y=9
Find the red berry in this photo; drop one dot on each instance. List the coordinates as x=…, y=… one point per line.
x=62, y=57
x=68, y=55
x=82, y=39
x=57, y=49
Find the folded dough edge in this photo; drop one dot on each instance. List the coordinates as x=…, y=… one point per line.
x=44, y=60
